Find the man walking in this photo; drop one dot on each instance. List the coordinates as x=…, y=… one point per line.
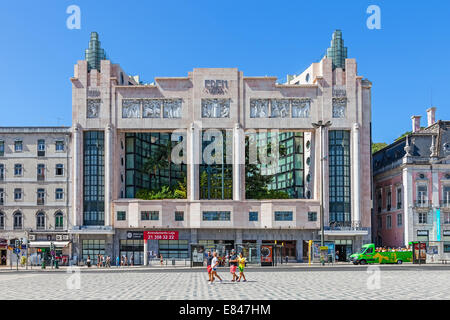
x=233, y=264
x=241, y=261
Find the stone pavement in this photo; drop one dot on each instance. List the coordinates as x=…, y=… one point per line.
x=293, y=284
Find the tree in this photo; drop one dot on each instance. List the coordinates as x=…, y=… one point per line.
x=378, y=146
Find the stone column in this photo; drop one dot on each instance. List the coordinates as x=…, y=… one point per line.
x=193, y=156
x=76, y=179
x=238, y=146
x=356, y=178
x=108, y=173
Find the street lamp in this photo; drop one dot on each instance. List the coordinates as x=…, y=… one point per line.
x=321, y=125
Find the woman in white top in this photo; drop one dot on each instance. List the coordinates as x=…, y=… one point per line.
x=214, y=265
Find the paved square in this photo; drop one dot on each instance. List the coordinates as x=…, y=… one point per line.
x=188, y=284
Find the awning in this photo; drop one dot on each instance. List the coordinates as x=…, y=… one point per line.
x=44, y=244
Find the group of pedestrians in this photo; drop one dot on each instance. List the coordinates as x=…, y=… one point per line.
x=236, y=261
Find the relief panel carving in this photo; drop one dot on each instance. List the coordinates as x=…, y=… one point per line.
x=93, y=108
x=151, y=108
x=259, y=108
x=339, y=106
x=131, y=108
x=280, y=108
x=301, y=108
x=172, y=108
x=215, y=108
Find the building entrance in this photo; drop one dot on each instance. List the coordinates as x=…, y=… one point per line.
x=3, y=257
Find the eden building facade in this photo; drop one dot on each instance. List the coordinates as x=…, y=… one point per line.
x=222, y=159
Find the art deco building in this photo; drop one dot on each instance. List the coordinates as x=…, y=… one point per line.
x=128, y=181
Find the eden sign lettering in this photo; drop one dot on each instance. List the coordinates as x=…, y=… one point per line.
x=216, y=86
x=160, y=235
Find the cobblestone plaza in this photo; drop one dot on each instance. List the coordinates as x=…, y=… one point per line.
x=335, y=283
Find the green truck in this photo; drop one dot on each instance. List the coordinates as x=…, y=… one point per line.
x=369, y=255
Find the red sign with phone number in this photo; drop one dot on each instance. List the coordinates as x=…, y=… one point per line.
x=160, y=235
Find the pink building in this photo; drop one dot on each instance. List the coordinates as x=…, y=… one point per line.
x=412, y=188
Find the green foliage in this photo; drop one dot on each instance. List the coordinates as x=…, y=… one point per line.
x=165, y=192
x=378, y=146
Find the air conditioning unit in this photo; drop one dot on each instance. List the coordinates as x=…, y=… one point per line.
x=32, y=237
x=66, y=237
x=58, y=237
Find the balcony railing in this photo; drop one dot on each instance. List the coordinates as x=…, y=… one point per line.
x=422, y=204
x=40, y=201
x=40, y=177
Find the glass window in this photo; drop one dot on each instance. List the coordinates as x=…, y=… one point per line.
x=446, y=196
x=18, y=169
x=40, y=220
x=93, y=248
x=179, y=216
x=59, y=194
x=17, y=194
x=59, y=145
x=283, y=215
x=447, y=247
x=399, y=198
x=2, y=148
x=389, y=222
x=2, y=171
x=17, y=220
x=216, y=215
x=253, y=216
x=149, y=215
x=422, y=217
x=312, y=216
x=121, y=215
x=2, y=220
x=399, y=220
x=2, y=196
x=18, y=147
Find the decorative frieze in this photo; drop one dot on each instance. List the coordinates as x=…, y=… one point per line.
x=215, y=108
x=259, y=108
x=93, y=108
x=151, y=108
x=301, y=108
x=280, y=108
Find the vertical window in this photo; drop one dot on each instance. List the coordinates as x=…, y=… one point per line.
x=2, y=221
x=389, y=222
x=40, y=196
x=18, y=170
x=40, y=221
x=59, y=221
x=179, y=216
x=17, y=194
x=2, y=148
x=2, y=172
x=379, y=200
x=339, y=177
x=2, y=197
x=399, y=220
x=389, y=200
x=41, y=148
x=446, y=196
x=17, y=219
x=94, y=178
x=423, y=217
x=59, y=194
x=253, y=216
x=59, y=145
x=41, y=172
x=18, y=147
x=399, y=198
x=59, y=171
x=422, y=195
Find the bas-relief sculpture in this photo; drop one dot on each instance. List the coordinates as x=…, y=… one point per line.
x=280, y=108
x=339, y=106
x=172, y=108
x=259, y=108
x=215, y=108
x=93, y=108
x=151, y=108
x=131, y=108
x=301, y=108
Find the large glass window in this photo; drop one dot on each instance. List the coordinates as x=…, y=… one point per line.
x=133, y=250
x=178, y=249
x=216, y=215
x=216, y=169
x=339, y=177
x=94, y=178
x=268, y=180
x=151, y=173
x=93, y=248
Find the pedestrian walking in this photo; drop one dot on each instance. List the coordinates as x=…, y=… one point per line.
x=242, y=262
x=88, y=261
x=214, y=265
x=287, y=259
x=161, y=259
x=209, y=258
x=125, y=261
x=233, y=264
x=132, y=260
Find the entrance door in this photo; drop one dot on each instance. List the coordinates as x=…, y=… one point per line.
x=342, y=254
x=3, y=257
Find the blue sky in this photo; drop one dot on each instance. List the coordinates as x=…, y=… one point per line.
x=407, y=60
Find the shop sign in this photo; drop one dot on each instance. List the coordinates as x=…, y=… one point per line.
x=160, y=235
x=422, y=233
x=446, y=233
x=135, y=235
x=266, y=254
